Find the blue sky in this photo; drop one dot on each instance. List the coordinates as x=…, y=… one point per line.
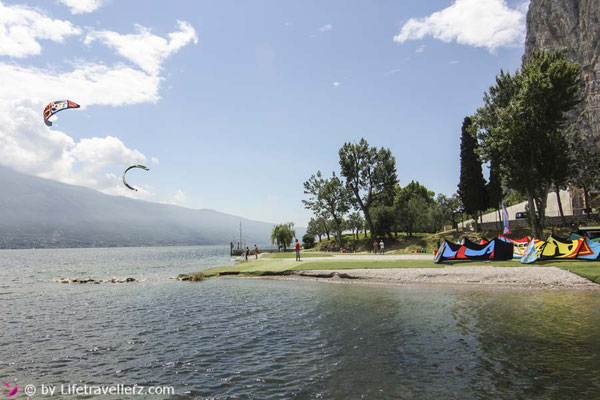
x=233, y=105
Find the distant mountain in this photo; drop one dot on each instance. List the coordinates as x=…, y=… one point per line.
x=36, y=212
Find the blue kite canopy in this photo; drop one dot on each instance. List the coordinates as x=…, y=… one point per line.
x=496, y=249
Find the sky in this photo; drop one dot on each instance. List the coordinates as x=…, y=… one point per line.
x=234, y=104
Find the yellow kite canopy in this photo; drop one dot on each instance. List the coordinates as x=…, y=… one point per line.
x=579, y=248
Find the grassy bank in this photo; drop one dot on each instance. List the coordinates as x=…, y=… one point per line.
x=586, y=269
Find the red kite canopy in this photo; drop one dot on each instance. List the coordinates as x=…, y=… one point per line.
x=57, y=106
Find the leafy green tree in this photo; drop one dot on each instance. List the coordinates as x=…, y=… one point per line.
x=522, y=127
x=308, y=241
x=328, y=198
x=448, y=210
x=471, y=187
x=384, y=220
x=283, y=234
x=370, y=176
x=318, y=227
x=494, y=189
x=355, y=222
x=411, y=205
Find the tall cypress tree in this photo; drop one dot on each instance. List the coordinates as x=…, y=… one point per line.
x=471, y=187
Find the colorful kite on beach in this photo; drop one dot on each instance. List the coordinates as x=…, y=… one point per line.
x=519, y=245
x=496, y=249
x=580, y=248
x=133, y=166
x=55, y=107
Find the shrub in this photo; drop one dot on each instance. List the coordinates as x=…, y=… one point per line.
x=308, y=241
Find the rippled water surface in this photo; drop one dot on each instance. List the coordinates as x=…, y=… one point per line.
x=236, y=338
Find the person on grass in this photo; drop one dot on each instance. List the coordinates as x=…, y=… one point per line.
x=297, y=250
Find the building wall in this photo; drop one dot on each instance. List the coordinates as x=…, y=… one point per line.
x=551, y=209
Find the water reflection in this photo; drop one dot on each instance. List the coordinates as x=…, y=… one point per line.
x=234, y=338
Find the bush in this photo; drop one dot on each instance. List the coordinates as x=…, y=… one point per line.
x=308, y=241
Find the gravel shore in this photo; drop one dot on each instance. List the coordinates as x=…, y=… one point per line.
x=521, y=277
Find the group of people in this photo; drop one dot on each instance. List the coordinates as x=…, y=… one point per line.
x=378, y=247
x=247, y=252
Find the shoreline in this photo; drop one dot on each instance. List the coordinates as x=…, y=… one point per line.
x=546, y=278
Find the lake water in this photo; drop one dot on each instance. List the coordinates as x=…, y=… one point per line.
x=250, y=338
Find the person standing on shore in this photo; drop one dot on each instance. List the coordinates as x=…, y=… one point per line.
x=246, y=253
x=256, y=251
x=381, y=247
x=375, y=247
x=298, y=250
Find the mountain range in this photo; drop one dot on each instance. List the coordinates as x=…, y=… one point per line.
x=42, y=213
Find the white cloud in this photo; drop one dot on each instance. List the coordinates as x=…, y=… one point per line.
x=22, y=27
x=83, y=6
x=179, y=198
x=86, y=84
x=336, y=84
x=420, y=49
x=28, y=145
x=144, y=49
x=106, y=151
x=479, y=23
x=326, y=27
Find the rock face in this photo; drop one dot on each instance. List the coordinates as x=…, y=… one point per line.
x=572, y=26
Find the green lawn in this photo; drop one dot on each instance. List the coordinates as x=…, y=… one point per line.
x=587, y=269
x=293, y=255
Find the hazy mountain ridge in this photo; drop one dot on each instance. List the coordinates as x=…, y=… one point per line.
x=37, y=212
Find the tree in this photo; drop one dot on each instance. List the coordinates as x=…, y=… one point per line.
x=308, y=241
x=328, y=198
x=494, y=188
x=318, y=227
x=471, y=187
x=411, y=205
x=355, y=222
x=283, y=234
x=448, y=209
x=370, y=175
x=384, y=220
x=522, y=123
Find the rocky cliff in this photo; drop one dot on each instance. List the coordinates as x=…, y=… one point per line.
x=574, y=27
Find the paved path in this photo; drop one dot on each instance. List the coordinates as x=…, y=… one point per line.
x=366, y=257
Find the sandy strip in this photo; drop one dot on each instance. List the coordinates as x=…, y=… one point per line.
x=508, y=277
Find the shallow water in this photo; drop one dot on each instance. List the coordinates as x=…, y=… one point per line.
x=251, y=338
